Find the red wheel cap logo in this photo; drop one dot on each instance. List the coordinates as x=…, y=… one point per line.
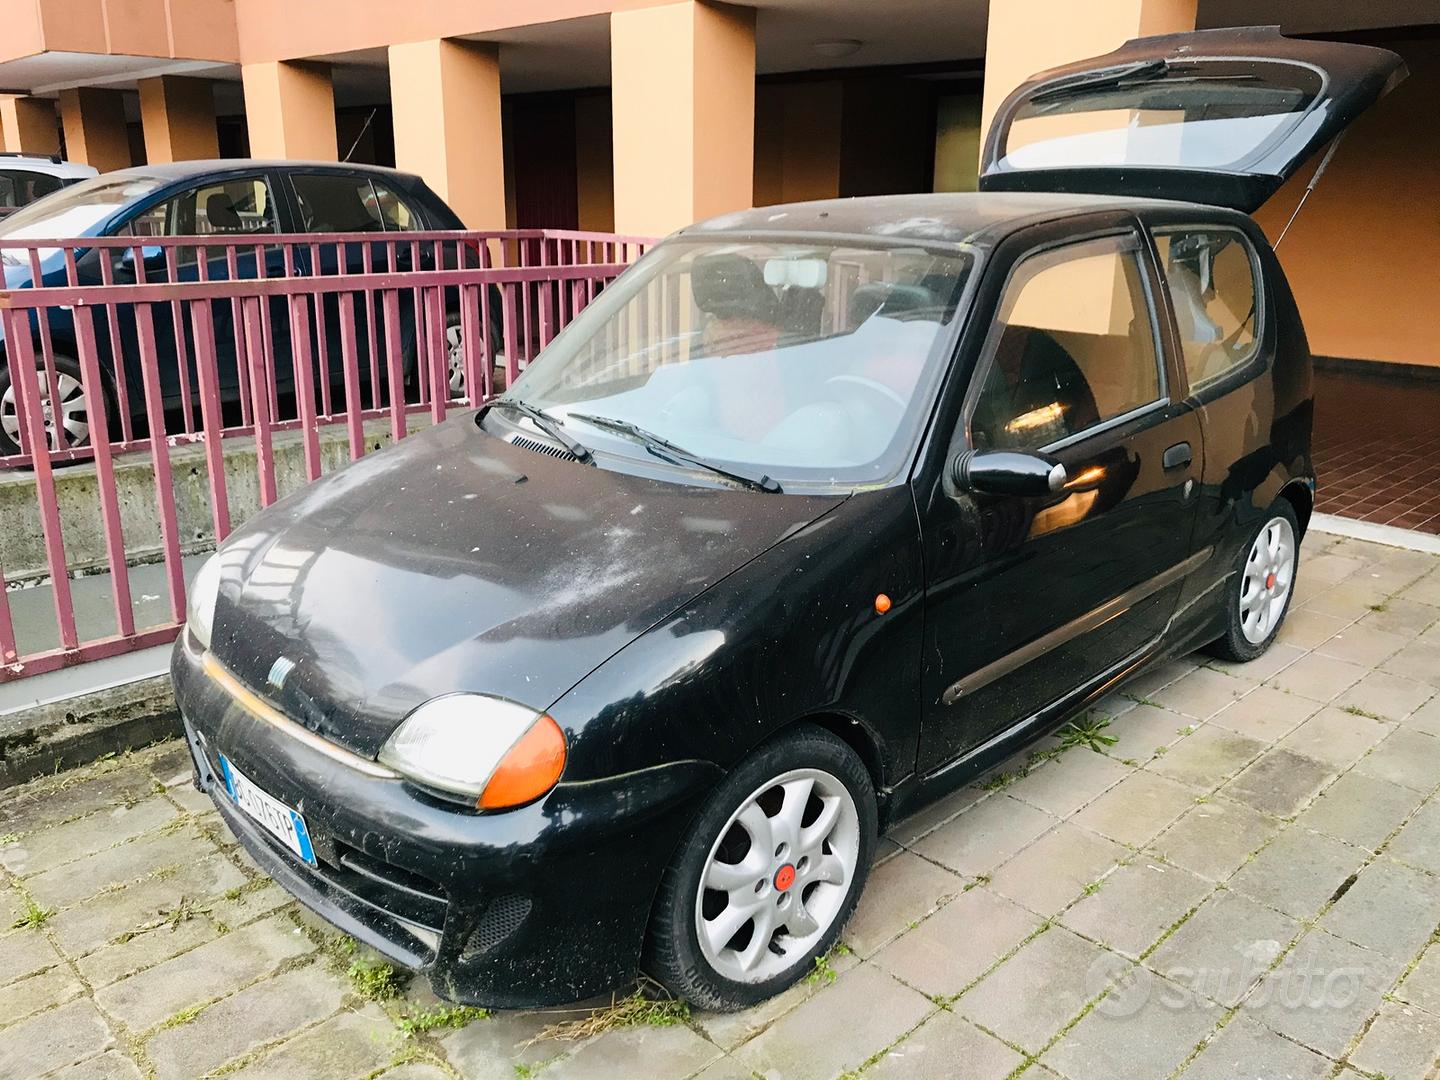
x=1269, y=581
x=784, y=877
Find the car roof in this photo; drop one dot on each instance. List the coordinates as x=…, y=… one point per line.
x=43, y=163
x=185, y=170
x=979, y=218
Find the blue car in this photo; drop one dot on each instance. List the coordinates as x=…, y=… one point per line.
x=225, y=201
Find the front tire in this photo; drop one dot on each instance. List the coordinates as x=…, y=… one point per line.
x=1258, y=596
x=768, y=875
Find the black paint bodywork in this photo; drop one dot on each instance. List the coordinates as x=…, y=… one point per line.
x=670, y=628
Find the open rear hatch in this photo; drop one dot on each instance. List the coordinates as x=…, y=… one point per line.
x=1222, y=117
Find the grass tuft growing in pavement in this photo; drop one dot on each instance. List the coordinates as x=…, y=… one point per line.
x=638, y=1010
x=1088, y=730
x=374, y=980
x=440, y=1017
x=34, y=916
x=824, y=966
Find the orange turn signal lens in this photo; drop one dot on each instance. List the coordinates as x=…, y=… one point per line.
x=529, y=769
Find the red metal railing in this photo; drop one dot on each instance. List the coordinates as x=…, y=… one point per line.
x=239, y=341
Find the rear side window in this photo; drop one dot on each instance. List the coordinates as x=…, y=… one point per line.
x=397, y=214
x=20, y=188
x=1211, y=277
x=1072, y=347
x=337, y=203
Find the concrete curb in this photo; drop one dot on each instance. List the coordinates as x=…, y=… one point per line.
x=85, y=728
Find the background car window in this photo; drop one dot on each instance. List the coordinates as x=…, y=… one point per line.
x=395, y=212
x=336, y=203
x=1073, y=346
x=1211, y=277
x=20, y=188
x=242, y=207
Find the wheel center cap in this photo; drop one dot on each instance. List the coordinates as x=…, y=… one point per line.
x=1270, y=580
x=784, y=877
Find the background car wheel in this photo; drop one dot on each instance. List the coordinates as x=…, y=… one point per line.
x=1259, y=594
x=67, y=420
x=771, y=870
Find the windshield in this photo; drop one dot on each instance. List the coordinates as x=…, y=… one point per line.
x=804, y=361
x=73, y=210
x=1201, y=114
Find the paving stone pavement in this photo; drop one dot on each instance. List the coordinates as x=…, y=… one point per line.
x=1244, y=884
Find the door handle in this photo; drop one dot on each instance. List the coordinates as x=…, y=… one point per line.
x=1177, y=456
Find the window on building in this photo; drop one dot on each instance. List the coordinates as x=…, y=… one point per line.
x=1211, y=277
x=1073, y=346
x=337, y=203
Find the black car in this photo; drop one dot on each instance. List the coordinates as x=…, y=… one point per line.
x=234, y=201
x=815, y=513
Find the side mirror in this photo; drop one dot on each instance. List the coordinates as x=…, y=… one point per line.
x=1007, y=472
x=153, y=256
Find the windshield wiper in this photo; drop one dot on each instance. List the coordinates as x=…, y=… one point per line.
x=677, y=455
x=1138, y=72
x=548, y=424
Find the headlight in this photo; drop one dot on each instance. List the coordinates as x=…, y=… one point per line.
x=200, y=600
x=488, y=749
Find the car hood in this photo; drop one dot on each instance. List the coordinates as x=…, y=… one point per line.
x=458, y=562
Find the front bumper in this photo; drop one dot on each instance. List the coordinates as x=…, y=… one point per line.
x=540, y=905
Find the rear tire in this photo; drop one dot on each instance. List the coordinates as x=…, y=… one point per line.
x=1258, y=596
x=769, y=873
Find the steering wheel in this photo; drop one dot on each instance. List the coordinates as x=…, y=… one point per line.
x=847, y=385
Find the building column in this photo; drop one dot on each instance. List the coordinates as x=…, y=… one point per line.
x=178, y=116
x=1026, y=36
x=683, y=99
x=290, y=110
x=28, y=126
x=446, y=100
x=95, y=131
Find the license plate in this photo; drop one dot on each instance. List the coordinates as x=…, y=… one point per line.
x=279, y=820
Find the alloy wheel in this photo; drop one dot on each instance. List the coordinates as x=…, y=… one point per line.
x=777, y=877
x=455, y=359
x=67, y=420
x=1266, y=580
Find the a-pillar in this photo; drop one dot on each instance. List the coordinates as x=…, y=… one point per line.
x=28, y=126
x=683, y=101
x=1026, y=36
x=95, y=132
x=178, y=116
x=290, y=110
x=446, y=100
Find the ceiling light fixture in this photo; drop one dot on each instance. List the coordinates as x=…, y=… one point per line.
x=837, y=49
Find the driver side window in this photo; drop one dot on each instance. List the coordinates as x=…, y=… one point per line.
x=1072, y=347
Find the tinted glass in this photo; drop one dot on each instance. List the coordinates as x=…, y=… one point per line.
x=231, y=208
x=20, y=188
x=809, y=361
x=1210, y=274
x=1205, y=114
x=336, y=203
x=395, y=212
x=1073, y=346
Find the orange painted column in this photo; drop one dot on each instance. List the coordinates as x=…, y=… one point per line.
x=1026, y=36
x=28, y=126
x=95, y=132
x=290, y=110
x=446, y=100
x=178, y=115
x=683, y=103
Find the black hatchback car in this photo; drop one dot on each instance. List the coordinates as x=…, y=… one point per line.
x=814, y=513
